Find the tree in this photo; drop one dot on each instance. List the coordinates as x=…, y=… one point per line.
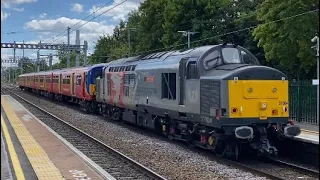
x=63, y=56
x=288, y=41
x=27, y=65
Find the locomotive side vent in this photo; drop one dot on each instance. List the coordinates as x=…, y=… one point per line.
x=209, y=95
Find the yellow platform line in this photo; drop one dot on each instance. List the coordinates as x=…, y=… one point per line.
x=38, y=158
x=12, y=152
x=309, y=131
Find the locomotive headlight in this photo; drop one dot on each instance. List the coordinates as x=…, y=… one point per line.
x=250, y=90
x=263, y=105
x=274, y=90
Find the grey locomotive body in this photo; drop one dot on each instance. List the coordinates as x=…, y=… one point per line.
x=186, y=96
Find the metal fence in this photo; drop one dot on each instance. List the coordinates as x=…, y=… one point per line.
x=303, y=102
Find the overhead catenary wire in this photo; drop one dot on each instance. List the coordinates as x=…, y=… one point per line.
x=29, y=31
x=228, y=33
x=93, y=18
x=82, y=20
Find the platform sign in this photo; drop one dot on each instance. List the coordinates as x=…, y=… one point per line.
x=315, y=82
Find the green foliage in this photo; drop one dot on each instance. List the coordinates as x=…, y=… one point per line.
x=284, y=45
x=63, y=56
x=27, y=65
x=288, y=42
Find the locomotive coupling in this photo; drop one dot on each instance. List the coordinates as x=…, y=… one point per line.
x=292, y=130
x=244, y=132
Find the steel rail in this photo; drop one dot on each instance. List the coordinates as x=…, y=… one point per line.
x=141, y=167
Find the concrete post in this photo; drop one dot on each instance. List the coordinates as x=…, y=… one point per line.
x=68, y=58
x=85, y=50
x=78, y=48
x=38, y=61
x=50, y=61
x=21, y=62
x=14, y=61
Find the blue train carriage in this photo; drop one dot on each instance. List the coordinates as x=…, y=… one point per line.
x=91, y=74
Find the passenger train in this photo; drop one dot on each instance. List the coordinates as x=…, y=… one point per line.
x=216, y=97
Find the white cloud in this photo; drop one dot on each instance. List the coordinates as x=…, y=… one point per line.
x=19, y=9
x=9, y=3
x=4, y=15
x=119, y=12
x=89, y=32
x=64, y=22
x=77, y=7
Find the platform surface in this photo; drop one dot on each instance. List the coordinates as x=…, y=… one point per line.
x=30, y=150
x=309, y=133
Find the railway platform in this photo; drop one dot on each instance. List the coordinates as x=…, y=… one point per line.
x=31, y=150
x=309, y=133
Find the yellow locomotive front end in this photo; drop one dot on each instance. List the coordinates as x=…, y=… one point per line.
x=247, y=101
x=261, y=99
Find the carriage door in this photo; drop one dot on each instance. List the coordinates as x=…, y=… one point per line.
x=83, y=83
x=60, y=82
x=73, y=80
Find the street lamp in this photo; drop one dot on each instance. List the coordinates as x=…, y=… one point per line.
x=188, y=33
x=316, y=82
x=129, y=38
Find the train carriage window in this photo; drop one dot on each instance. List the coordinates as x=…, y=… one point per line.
x=126, y=79
x=192, y=71
x=126, y=91
x=109, y=84
x=132, y=79
x=169, y=86
x=48, y=79
x=78, y=81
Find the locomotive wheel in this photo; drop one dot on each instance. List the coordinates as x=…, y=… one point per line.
x=232, y=150
x=190, y=140
x=220, y=148
x=116, y=114
x=236, y=151
x=170, y=137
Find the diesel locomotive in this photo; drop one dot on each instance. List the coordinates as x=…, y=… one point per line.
x=216, y=97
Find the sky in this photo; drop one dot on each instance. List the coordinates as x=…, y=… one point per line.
x=33, y=21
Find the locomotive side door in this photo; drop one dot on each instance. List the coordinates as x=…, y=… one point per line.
x=182, y=77
x=192, y=86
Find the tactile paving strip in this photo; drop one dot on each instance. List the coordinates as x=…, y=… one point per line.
x=38, y=158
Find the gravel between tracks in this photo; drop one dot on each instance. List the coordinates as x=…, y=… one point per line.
x=170, y=160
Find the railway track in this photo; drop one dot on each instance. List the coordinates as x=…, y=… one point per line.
x=270, y=168
x=112, y=161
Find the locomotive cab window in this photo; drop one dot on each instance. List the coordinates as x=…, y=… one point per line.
x=212, y=60
x=247, y=58
x=192, y=72
x=231, y=55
